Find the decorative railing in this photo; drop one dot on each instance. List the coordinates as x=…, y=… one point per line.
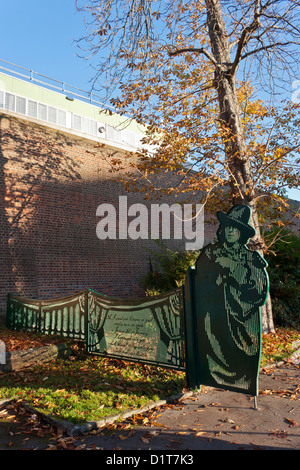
x=148, y=330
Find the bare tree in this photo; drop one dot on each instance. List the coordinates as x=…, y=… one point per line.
x=257, y=39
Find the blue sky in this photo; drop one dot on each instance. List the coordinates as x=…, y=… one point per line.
x=40, y=35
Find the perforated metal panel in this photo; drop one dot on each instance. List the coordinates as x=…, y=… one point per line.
x=223, y=296
x=148, y=330
x=65, y=316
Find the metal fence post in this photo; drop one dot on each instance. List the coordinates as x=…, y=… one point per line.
x=8, y=319
x=86, y=320
x=191, y=330
x=39, y=318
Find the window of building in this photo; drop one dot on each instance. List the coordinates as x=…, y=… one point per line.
x=42, y=111
x=76, y=122
x=32, y=108
x=20, y=105
x=1, y=99
x=10, y=101
x=61, y=118
x=52, y=114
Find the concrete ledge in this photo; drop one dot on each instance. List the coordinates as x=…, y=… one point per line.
x=5, y=401
x=72, y=429
x=24, y=358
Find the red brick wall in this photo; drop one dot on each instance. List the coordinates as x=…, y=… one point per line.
x=51, y=184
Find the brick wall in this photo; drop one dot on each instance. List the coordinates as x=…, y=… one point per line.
x=50, y=186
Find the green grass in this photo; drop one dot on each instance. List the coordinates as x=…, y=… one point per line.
x=89, y=388
x=86, y=388
x=277, y=346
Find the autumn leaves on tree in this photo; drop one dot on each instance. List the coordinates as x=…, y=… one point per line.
x=199, y=76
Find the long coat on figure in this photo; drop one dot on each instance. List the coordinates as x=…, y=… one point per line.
x=231, y=284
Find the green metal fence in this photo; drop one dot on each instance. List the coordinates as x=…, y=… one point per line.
x=211, y=327
x=64, y=316
x=149, y=329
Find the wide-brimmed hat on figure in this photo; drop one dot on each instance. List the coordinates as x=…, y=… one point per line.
x=239, y=217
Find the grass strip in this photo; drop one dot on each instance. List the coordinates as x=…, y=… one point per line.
x=86, y=388
x=89, y=388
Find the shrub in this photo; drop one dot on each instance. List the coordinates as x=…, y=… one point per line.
x=167, y=269
x=284, y=273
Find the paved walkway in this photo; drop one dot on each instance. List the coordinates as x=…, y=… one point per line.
x=212, y=420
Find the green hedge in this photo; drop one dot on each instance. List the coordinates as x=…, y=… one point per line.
x=284, y=273
x=167, y=269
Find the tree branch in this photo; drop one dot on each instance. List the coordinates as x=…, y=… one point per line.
x=245, y=36
x=269, y=46
x=193, y=49
x=292, y=149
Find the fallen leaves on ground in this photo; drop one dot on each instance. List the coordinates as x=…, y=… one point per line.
x=279, y=434
x=291, y=422
x=292, y=394
x=17, y=340
x=278, y=346
x=149, y=435
x=21, y=422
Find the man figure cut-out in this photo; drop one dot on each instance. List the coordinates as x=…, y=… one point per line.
x=231, y=283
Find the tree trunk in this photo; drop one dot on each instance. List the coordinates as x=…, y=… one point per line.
x=259, y=243
x=241, y=181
